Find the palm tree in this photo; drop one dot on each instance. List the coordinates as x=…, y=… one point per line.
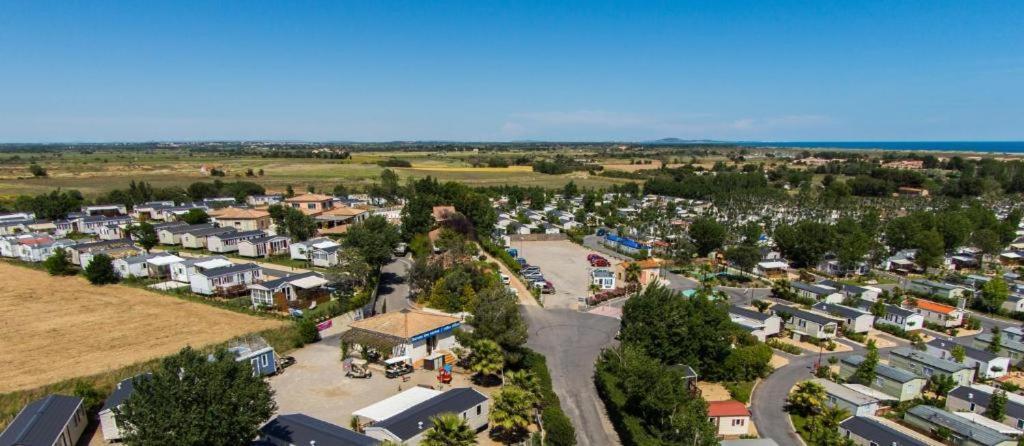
x=526, y=380
x=633, y=276
x=487, y=358
x=510, y=413
x=449, y=430
x=806, y=399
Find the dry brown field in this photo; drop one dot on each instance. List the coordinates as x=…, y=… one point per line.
x=56, y=328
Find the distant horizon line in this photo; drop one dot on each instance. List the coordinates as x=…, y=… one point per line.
x=525, y=141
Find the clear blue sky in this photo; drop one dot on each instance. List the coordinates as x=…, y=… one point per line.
x=479, y=70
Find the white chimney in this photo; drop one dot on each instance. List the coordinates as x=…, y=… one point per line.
x=312, y=442
x=970, y=396
x=419, y=425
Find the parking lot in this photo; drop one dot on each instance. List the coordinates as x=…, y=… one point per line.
x=317, y=386
x=565, y=265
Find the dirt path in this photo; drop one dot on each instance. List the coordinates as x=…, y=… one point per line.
x=525, y=297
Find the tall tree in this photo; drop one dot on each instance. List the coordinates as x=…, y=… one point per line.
x=100, y=270
x=144, y=235
x=487, y=358
x=195, y=217
x=374, y=239
x=707, y=234
x=993, y=294
x=417, y=217
x=865, y=373
x=496, y=317
x=930, y=248
x=58, y=264
x=996, y=345
x=193, y=400
x=996, y=409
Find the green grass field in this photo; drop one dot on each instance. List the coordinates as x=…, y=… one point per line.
x=100, y=172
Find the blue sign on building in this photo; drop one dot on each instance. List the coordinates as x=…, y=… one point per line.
x=435, y=331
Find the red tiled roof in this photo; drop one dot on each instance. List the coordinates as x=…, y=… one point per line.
x=934, y=307
x=731, y=408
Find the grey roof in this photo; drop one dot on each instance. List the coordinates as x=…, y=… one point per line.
x=301, y=429
x=1006, y=343
x=979, y=433
x=845, y=393
x=265, y=239
x=839, y=310
x=885, y=371
x=209, y=231
x=41, y=421
x=845, y=287
x=123, y=390
x=225, y=270
x=803, y=314
x=899, y=311
x=83, y=247
x=930, y=360
x=240, y=234
x=812, y=288
x=189, y=261
x=878, y=433
x=187, y=228
x=749, y=314
x=272, y=284
x=980, y=398
x=406, y=424
x=971, y=352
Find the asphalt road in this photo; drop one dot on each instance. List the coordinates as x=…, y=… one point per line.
x=571, y=341
x=393, y=290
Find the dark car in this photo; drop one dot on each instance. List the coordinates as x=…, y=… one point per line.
x=397, y=369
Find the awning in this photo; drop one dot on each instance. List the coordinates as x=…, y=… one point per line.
x=394, y=405
x=310, y=282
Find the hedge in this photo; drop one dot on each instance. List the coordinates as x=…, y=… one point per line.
x=499, y=253
x=630, y=429
x=558, y=429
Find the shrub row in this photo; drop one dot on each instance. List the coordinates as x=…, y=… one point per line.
x=499, y=253
x=558, y=429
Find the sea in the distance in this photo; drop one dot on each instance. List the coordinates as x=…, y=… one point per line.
x=941, y=146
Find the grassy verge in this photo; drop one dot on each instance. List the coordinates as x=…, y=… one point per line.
x=740, y=391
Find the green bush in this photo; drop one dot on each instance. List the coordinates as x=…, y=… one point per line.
x=499, y=253
x=307, y=331
x=788, y=348
x=559, y=431
x=856, y=337
x=740, y=391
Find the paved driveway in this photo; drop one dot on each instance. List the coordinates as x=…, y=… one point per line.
x=571, y=341
x=393, y=291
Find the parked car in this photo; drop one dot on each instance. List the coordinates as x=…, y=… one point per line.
x=547, y=288
x=401, y=249
x=521, y=261
x=591, y=257
x=505, y=280
x=600, y=262
x=529, y=268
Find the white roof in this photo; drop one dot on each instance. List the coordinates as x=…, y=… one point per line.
x=882, y=396
x=978, y=418
x=165, y=260
x=773, y=265
x=325, y=244
x=309, y=282
x=394, y=405
x=214, y=263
